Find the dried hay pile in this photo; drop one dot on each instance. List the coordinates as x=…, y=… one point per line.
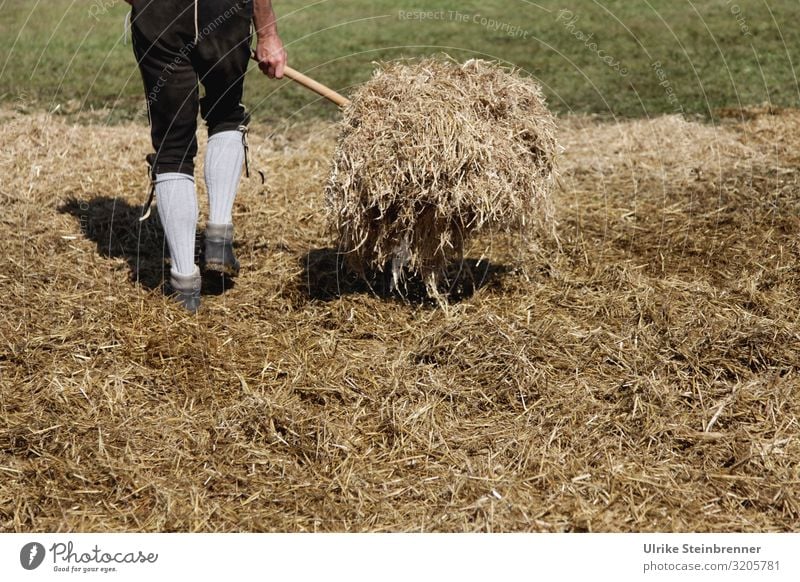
x=433, y=152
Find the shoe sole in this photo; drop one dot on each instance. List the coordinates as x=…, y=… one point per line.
x=222, y=268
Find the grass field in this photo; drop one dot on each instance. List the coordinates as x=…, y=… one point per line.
x=712, y=53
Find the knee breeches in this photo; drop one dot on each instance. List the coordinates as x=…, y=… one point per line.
x=181, y=45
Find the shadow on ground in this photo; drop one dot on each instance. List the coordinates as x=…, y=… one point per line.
x=325, y=277
x=114, y=226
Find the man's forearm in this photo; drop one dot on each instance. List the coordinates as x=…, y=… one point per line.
x=270, y=53
x=264, y=18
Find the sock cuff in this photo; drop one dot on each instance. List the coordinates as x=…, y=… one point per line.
x=231, y=135
x=219, y=231
x=186, y=280
x=172, y=177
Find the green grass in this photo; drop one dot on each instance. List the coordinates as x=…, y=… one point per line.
x=54, y=53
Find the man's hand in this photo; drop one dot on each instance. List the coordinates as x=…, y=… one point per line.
x=271, y=56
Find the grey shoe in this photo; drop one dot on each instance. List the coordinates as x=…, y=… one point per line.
x=185, y=289
x=219, y=255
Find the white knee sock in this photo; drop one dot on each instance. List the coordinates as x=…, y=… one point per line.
x=177, y=207
x=223, y=169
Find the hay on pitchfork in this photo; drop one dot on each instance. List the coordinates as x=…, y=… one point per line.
x=432, y=152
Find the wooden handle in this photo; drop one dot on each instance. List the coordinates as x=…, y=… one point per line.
x=313, y=85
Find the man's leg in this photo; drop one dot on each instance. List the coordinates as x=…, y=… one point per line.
x=223, y=170
x=163, y=34
x=221, y=59
x=163, y=40
x=177, y=208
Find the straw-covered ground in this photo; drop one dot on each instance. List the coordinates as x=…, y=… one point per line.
x=643, y=377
